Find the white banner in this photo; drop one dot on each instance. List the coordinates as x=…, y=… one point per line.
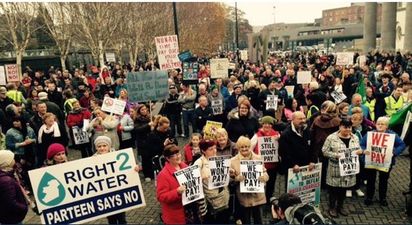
x=304, y=77
x=217, y=106
x=87, y=189
x=110, y=57
x=272, y=102
x=114, y=106
x=244, y=55
x=338, y=96
x=344, y=58
x=380, y=146
x=219, y=68
x=348, y=162
x=12, y=73
x=167, y=48
x=190, y=177
x=80, y=136
x=268, y=148
x=251, y=170
x=219, y=171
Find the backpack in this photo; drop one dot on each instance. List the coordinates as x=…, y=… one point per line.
x=305, y=214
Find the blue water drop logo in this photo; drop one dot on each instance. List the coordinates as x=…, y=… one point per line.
x=50, y=191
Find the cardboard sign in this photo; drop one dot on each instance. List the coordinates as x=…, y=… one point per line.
x=306, y=184
x=190, y=177
x=244, y=55
x=304, y=77
x=113, y=105
x=217, y=106
x=190, y=70
x=344, y=58
x=251, y=170
x=12, y=73
x=2, y=76
x=147, y=86
x=338, y=96
x=167, y=48
x=380, y=146
x=219, y=171
x=219, y=68
x=210, y=129
x=348, y=162
x=80, y=136
x=110, y=57
x=87, y=189
x=268, y=148
x=290, y=89
x=272, y=102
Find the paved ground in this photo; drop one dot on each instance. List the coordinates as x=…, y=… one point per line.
x=360, y=214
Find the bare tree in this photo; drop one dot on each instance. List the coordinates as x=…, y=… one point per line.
x=19, y=26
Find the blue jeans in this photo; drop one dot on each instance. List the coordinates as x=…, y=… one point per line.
x=188, y=117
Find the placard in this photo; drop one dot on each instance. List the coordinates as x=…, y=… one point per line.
x=190, y=70
x=344, y=58
x=219, y=68
x=184, y=56
x=110, y=57
x=80, y=136
x=380, y=145
x=348, y=162
x=211, y=128
x=147, y=86
x=217, y=106
x=304, y=77
x=2, y=76
x=338, y=96
x=190, y=177
x=272, y=102
x=290, y=89
x=219, y=171
x=12, y=73
x=268, y=147
x=251, y=170
x=114, y=106
x=306, y=184
x=167, y=48
x=244, y=55
x=87, y=189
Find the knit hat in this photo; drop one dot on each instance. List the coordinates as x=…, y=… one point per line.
x=42, y=95
x=103, y=139
x=237, y=86
x=54, y=149
x=6, y=157
x=205, y=144
x=267, y=119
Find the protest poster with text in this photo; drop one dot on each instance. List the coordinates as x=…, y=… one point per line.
x=306, y=184
x=348, y=162
x=251, y=170
x=268, y=148
x=210, y=129
x=190, y=177
x=304, y=77
x=80, y=136
x=110, y=57
x=167, y=48
x=219, y=68
x=219, y=171
x=272, y=102
x=87, y=189
x=380, y=145
x=244, y=55
x=190, y=70
x=147, y=86
x=2, y=76
x=217, y=106
x=113, y=106
x=338, y=96
x=344, y=58
x=12, y=73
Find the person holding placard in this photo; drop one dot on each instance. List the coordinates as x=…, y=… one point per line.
x=106, y=125
x=397, y=148
x=217, y=103
x=168, y=190
x=263, y=96
x=337, y=146
x=251, y=202
x=242, y=122
x=202, y=114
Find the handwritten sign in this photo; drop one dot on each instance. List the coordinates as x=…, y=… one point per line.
x=113, y=105
x=219, y=68
x=272, y=102
x=147, y=86
x=12, y=73
x=87, y=189
x=217, y=106
x=344, y=58
x=110, y=57
x=219, y=171
x=244, y=55
x=2, y=76
x=338, y=96
x=348, y=162
x=268, y=147
x=305, y=184
x=251, y=170
x=380, y=146
x=304, y=77
x=167, y=48
x=190, y=177
x=210, y=129
x=80, y=136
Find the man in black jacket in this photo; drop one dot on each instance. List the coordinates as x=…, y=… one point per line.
x=172, y=110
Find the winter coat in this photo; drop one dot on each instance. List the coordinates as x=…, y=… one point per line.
x=255, y=145
x=108, y=128
x=75, y=118
x=166, y=193
x=13, y=206
x=247, y=199
x=128, y=125
x=212, y=100
x=332, y=149
x=56, y=97
x=229, y=149
x=187, y=101
x=188, y=152
x=172, y=107
x=321, y=128
x=155, y=142
x=263, y=96
x=55, y=109
x=141, y=131
x=202, y=115
x=14, y=137
x=238, y=126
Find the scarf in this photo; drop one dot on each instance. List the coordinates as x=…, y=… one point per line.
x=54, y=128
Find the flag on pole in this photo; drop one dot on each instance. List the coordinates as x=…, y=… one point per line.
x=399, y=116
x=362, y=90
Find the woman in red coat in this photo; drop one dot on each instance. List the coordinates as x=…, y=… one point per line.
x=169, y=192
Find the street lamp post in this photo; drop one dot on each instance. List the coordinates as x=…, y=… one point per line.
x=237, y=33
x=175, y=22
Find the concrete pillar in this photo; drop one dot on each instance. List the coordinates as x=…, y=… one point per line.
x=388, y=29
x=369, y=26
x=408, y=28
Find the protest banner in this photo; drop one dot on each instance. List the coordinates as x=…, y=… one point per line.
x=251, y=170
x=268, y=147
x=12, y=73
x=272, y=102
x=190, y=70
x=2, y=76
x=87, y=189
x=86, y=123
x=184, y=56
x=306, y=184
x=338, y=96
x=113, y=105
x=210, y=129
x=348, y=162
x=304, y=77
x=217, y=106
x=110, y=57
x=147, y=86
x=290, y=89
x=244, y=55
x=219, y=68
x=190, y=177
x=80, y=136
x=380, y=145
x=219, y=171
x=344, y=58
x=167, y=48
